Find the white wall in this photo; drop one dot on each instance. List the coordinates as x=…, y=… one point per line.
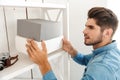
x=78, y=16
x=116, y=10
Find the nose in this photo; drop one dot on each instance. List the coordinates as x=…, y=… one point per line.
x=84, y=31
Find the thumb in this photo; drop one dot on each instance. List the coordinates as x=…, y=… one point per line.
x=43, y=46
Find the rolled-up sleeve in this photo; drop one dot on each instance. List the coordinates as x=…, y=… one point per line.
x=49, y=76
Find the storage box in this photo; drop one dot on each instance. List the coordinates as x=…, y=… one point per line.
x=38, y=29
x=51, y=44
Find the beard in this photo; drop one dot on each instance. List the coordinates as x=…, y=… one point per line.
x=95, y=41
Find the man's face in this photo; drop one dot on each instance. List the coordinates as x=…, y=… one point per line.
x=92, y=33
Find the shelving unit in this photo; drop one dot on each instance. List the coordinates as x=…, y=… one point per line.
x=24, y=63
x=31, y=4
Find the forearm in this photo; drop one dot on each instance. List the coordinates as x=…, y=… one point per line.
x=47, y=72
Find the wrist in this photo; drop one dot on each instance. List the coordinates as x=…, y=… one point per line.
x=44, y=68
x=73, y=52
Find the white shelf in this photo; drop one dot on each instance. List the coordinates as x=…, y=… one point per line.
x=22, y=65
x=30, y=4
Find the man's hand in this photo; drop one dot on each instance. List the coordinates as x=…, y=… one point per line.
x=39, y=56
x=68, y=47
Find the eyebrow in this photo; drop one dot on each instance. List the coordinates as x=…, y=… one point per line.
x=89, y=25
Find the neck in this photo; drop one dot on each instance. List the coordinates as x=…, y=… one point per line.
x=101, y=44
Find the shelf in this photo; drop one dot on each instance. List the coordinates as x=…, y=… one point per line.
x=22, y=65
x=30, y=4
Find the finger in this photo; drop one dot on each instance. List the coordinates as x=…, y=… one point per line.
x=34, y=45
x=29, y=46
x=64, y=40
x=30, y=43
x=28, y=40
x=43, y=46
x=29, y=51
x=32, y=49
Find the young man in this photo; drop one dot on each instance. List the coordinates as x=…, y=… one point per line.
x=104, y=61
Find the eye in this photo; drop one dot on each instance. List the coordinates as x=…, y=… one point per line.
x=91, y=27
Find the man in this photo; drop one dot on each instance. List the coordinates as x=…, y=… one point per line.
x=104, y=61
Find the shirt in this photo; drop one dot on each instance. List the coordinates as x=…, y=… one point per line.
x=49, y=76
x=102, y=64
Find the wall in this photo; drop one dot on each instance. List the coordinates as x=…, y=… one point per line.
x=78, y=16
x=116, y=10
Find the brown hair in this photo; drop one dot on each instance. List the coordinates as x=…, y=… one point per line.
x=104, y=17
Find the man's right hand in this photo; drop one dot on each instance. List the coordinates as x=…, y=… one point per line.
x=38, y=55
x=68, y=47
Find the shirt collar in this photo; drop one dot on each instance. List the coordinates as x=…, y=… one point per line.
x=105, y=48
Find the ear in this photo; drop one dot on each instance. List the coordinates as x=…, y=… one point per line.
x=108, y=32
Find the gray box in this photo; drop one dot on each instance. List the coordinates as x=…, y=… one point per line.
x=38, y=29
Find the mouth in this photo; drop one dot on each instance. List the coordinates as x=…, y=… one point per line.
x=86, y=37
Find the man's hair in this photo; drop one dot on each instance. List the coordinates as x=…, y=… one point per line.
x=104, y=17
